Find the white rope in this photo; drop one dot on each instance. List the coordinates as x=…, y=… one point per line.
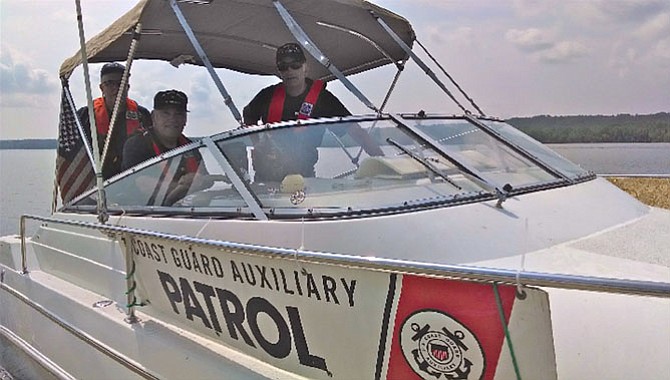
x=302, y=234
x=203, y=227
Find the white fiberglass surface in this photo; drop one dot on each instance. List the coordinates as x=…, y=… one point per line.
x=347, y=164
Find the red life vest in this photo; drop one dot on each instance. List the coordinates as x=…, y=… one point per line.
x=191, y=162
x=276, y=108
x=102, y=118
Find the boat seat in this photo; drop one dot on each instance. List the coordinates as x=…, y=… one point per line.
x=400, y=167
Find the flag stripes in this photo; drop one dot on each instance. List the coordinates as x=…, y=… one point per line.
x=74, y=171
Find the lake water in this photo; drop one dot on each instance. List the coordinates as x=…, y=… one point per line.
x=26, y=186
x=653, y=158
x=26, y=176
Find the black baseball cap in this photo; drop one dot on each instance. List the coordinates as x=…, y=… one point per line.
x=290, y=52
x=111, y=67
x=170, y=98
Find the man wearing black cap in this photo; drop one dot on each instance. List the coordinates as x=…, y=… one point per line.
x=131, y=117
x=298, y=97
x=168, y=122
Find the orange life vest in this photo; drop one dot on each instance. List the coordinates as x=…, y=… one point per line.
x=191, y=162
x=276, y=108
x=102, y=117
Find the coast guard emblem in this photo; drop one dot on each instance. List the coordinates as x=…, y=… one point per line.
x=306, y=109
x=437, y=346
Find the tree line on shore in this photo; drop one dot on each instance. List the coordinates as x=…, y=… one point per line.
x=29, y=144
x=596, y=128
x=545, y=128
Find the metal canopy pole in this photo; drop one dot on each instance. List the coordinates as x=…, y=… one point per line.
x=309, y=45
x=80, y=128
x=227, y=99
x=481, y=113
x=235, y=180
x=122, y=95
x=102, y=199
x=400, y=65
x=416, y=59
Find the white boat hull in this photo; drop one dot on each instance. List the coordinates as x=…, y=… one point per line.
x=348, y=323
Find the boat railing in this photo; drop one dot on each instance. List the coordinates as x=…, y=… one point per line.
x=462, y=272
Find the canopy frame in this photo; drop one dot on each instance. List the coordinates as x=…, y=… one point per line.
x=314, y=50
x=227, y=99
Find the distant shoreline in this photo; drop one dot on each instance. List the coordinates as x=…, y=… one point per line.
x=587, y=129
x=29, y=144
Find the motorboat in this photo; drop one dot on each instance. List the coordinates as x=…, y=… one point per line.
x=466, y=250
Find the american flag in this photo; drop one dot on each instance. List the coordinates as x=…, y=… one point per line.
x=74, y=171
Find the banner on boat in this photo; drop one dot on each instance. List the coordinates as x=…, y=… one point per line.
x=334, y=322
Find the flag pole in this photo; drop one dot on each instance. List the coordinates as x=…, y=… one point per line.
x=102, y=202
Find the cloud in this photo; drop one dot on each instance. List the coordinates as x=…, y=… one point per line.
x=529, y=40
x=644, y=48
x=662, y=50
x=20, y=81
x=631, y=11
x=533, y=8
x=563, y=51
x=543, y=47
x=200, y=89
x=655, y=27
x=612, y=16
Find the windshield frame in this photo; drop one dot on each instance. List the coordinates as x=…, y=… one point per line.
x=254, y=209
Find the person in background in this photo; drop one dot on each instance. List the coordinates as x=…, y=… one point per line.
x=297, y=97
x=166, y=133
x=131, y=117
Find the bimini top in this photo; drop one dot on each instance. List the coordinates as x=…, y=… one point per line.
x=243, y=35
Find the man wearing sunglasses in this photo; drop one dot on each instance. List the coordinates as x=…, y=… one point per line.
x=131, y=117
x=296, y=97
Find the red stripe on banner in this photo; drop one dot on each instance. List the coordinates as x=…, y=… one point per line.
x=432, y=344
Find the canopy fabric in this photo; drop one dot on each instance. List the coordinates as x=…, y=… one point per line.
x=243, y=35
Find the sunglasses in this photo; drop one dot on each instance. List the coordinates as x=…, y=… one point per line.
x=115, y=83
x=282, y=66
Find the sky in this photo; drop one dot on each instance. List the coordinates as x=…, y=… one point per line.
x=513, y=57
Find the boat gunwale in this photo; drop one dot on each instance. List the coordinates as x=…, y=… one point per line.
x=448, y=271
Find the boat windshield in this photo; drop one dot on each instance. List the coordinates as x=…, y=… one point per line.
x=347, y=166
